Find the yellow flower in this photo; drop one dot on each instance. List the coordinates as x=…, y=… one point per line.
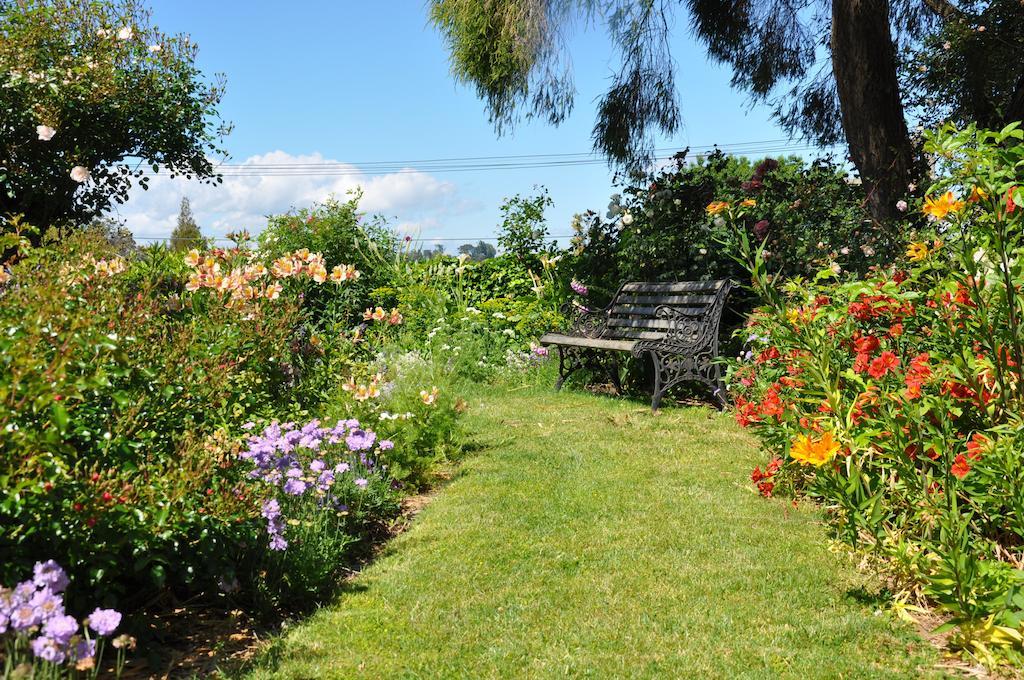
x=193, y=259
x=715, y=207
x=942, y=206
x=283, y=267
x=748, y=203
x=977, y=194
x=318, y=272
x=810, y=452
x=429, y=397
x=917, y=251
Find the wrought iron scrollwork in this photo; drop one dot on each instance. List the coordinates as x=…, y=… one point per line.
x=584, y=322
x=688, y=350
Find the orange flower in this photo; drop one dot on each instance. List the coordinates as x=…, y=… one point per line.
x=977, y=194
x=917, y=251
x=283, y=267
x=942, y=206
x=814, y=452
x=716, y=207
x=748, y=203
x=960, y=466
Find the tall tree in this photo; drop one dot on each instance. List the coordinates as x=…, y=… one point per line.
x=186, y=234
x=479, y=252
x=92, y=97
x=830, y=69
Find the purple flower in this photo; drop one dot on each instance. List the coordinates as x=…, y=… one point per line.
x=249, y=425
x=271, y=509
x=341, y=468
x=352, y=424
x=578, y=287
x=386, y=445
x=61, y=628
x=85, y=649
x=317, y=465
x=295, y=487
x=104, y=621
x=47, y=603
x=360, y=440
x=24, y=616
x=278, y=543
x=48, y=574
x=24, y=591
x=362, y=483
x=48, y=650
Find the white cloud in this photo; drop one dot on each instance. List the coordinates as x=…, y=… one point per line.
x=419, y=200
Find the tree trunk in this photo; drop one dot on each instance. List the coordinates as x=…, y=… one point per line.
x=864, y=64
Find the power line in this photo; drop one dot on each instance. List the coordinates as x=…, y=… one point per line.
x=440, y=166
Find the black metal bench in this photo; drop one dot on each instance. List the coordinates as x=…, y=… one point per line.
x=676, y=323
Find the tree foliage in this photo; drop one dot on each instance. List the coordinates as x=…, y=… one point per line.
x=479, y=252
x=92, y=89
x=186, y=234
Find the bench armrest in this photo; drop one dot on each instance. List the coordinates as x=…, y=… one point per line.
x=584, y=321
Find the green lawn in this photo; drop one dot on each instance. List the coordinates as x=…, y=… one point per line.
x=588, y=538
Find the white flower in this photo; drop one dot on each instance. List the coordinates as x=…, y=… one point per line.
x=102, y=33
x=678, y=201
x=844, y=250
x=867, y=250
x=155, y=48
x=719, y=221
x=627, y=219
x=836, y=269
x=703, y=251
x=126, y=33
x=901, y=206
x=80, y=174
x=979, y=255
x=45, y=132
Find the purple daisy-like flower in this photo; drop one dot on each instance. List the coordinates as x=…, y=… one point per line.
x=4, y=622
x=249, y=425
x=61, y=628
x=85, y=649
x=48, y=604
x=341, y=468
x=104, y=621
x=317, y=465
x=49, y=574
x=362, y=482
x=360, y=440
x=48, y=649
x=24, y=616
x=271, y=508
x=278, y=543
x=294, y=487
x=386, y=445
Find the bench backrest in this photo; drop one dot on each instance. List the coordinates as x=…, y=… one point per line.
x=632, y=314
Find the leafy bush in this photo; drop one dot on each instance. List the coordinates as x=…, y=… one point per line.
x=656, y=229
x=896, y=399
x=120, y=386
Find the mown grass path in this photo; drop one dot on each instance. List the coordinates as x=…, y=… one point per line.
x=588, y=538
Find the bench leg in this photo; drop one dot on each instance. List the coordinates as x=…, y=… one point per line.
x=568, y=363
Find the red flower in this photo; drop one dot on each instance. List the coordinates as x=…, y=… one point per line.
x=861, y=362
x=769, y=354
x=766, y=488
x=756, y=476
x=960, y=467
x=882, y=364
x=1010, y=204
x=773, y=466
x=977, y=445
x=866, y=344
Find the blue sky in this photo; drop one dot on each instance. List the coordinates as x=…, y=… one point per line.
x=358, y=82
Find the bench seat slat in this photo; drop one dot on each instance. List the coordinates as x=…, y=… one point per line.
x=596, y=343
x=614, y=322
x=673, y=300
x=651, y=312
x=680, y=287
